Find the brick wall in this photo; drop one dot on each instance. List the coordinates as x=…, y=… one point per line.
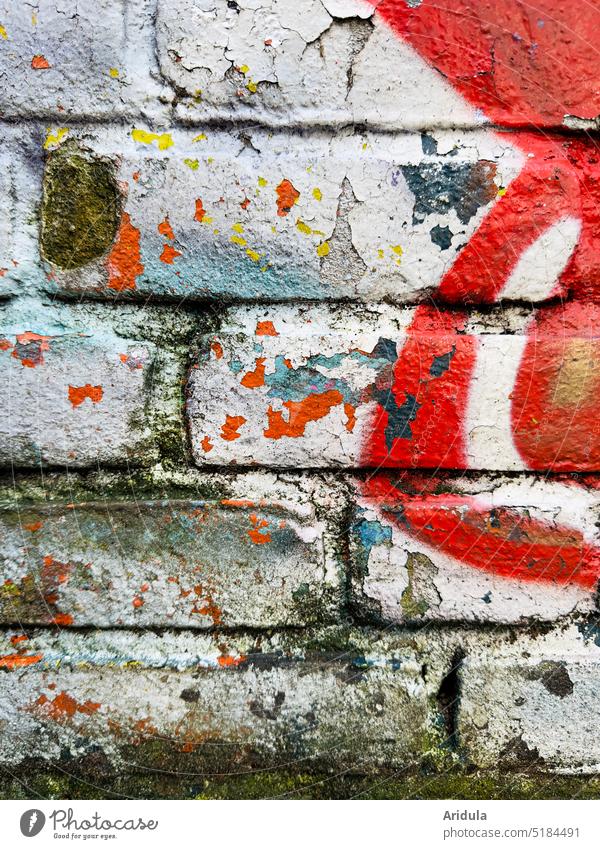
x=300, y=366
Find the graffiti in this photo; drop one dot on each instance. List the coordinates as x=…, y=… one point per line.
x=501, y=57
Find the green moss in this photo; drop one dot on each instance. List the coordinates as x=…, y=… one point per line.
x=44, y=783
x=80, y=208
x=412, y=606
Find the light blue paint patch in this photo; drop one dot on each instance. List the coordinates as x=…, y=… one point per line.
x=370, y=533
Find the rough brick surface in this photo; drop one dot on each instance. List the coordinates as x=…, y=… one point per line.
x=410, y=65
x=81, y=58
x=282, y=216
x=320, y=387
x=533, y=703
x=299, y=309
x=78, y=391
x=258, y=557
x=170, y=702
x=485, y=549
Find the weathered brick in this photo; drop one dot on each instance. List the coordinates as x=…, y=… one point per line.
x=316, y=387
x=20, y=185
x=77, y=390
x=486, y=549
x=113, y=699
x=257, y=557
x=81, y=58
x=532, y=703
x=405, y=65
x=248, y=214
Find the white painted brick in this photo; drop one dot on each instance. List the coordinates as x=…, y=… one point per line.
x=315, y=387
x=78, y=58
x=258, y=557
x=532, y=702
x=307, y=62
x=283, y=216
x=78, y=390
x=486, y=549
x=172, y=700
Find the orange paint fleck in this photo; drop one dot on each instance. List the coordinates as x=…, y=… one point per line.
x=227, y=660
x=136, y=175
x=259, y=538
x=207, y=444
x=65, y=705
x=78, y=394
x=256, y=378
x=310, y=409
x=287, y=363
x=266, y=328
x=63, y=619
x=5, y=345
x=245, y=203
x=237, y=502
x=30, y=349
x=33, y=526
x=229, y=430
x=217, y=349
x=15, y=661
x=287, y=196
x=256, y=534
x=56, y=571
x=209, y=608
x=18, y=638
x=131, y=362
x=169, y=254
x=165, y=229
x=350, y=412
x=124, y=261
x=40, y=63
x=200, y=213
x=138, y=601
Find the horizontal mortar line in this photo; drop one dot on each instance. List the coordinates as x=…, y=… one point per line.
x=290, y=127
x=27, y=472
x=312, y=632
x=207, y=307
x=136, y=502
x=191, y=305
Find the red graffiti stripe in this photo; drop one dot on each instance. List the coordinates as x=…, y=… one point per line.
x=521, y=63
x=503, y=541
x=420, y=412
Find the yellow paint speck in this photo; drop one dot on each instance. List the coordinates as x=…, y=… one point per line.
x=237, y=227
x=317, y=194
x=262, y=182
x=54, y=138
x=192, y=163
x=273, y=228
x=244, y=69
x=114, y=73
x=501, y=191
x=253, y=254
x=380, y=253
x=252, y=87
x=397, y=249
x=210, y=160
x=199, y=137
x=163, y=140
x=238, y=240
x=323, y=249
x=364, y=147
x=304, y=228
x=3, y=32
